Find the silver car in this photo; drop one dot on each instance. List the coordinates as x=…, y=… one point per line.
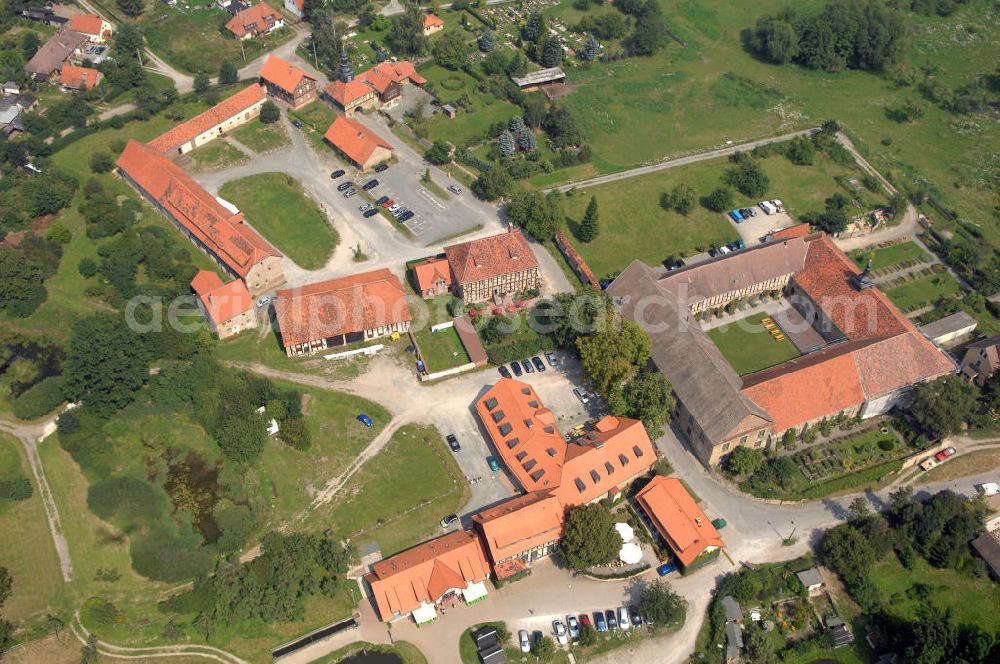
x=454, y=188
x=574, y=627
x=560, y=631
x=522, y=636
x=350, y=192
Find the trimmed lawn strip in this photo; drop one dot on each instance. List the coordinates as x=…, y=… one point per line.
x=891, y=256
x=923, y=291
x=261, y=137
x=442, y=349
x=217, y=154
x=972, y=463
x=276, y=205
x=753, y=349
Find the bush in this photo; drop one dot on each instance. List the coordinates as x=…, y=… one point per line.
x=40, y=399
x=269, y=112
x=720, y=200
x=126, y=501
x=101, y=162
x=16, y=489
x=87, y=267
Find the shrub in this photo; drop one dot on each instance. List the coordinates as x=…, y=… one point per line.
x=16, y=489
x=719, y=200
x=87, y=267
x=40, y=399
x=126, y=501
x=269, y=112
x=101, y=162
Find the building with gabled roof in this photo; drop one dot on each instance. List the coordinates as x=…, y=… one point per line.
x=221, y=234
x=225, y=116
x=72, y=77
x=340, y=311
x=791, y=232
x=520, y=530
x=947, y=330
x=96, y=29
x=379, y=87
x=255, y=21
x=359, y=144
x=981, y=359
x=678, y=519
x=296, y=7
x=59, y=48
x=433, y=277
x=432, y=24
x=287, y=82
x=493, y=267
x=228, y=308
x=415, y=581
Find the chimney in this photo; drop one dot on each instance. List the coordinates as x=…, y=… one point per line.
x=510, y=227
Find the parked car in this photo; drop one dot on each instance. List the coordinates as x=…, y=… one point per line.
x=371, y=184
x=573, y=625
x=262, y=301
x=552, y=358
x=339, y=173
x=387, y=203
x=636, y=618
x=453, y=442
x=719, y=523
x=454, y=188
x=560, y=631
x=344, y=185
x=609, y=615
x=582, y=395
x=539, y=365
x=623, y=618
x=492, y=462
x=406, y=216
x=522, y=637
x=297, y=124
x=584, y=619
x=381, y=167
x=381, y=200
x=393, y=206
x=364, y=419
x=364, y=207
x=527, y=366
x=516, y=368
x=448, y=520
x=599, y=622
x=666, y=568
x=988, y=489
x=350, y=192
x=713, y=252
x=504, y=371
x=944, y=454
x=371, y=213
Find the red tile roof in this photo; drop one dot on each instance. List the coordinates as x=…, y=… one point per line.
x=423, y=574
x=340, y=306
x=520, y=524
x=347, y=93
x=888, y=365
x=354, y=139
x=283, y=74
x=490, y=257
x=431, y=271
x=89, y=24
x=235, y=243
x=678, y=518
x=221, y=301
x=376, y=79
x=199, y=124
x=255, y=20
x=798, y=230
x=75, y=77
x=433, y=21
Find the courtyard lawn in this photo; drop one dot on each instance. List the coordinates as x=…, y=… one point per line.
x=217, y=154
x=261, y=137
x=316, y=118
x=923, y=291
x=442, y=349
x=749, y=347
x=887, y=257
x=398, y=497
x=467, y=127
x=275, y=205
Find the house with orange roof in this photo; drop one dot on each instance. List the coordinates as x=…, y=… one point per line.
x=255, y=21
x=225, y=116
x=228, y=308
x=493, y=267
x=379, y=87
x=296, y=7
x=359, y=144
x=72, y=77
x=433, y=277
x=676, y=517
x=287, y=82
x=97, y=30
x=341, y=311
x=520, y=530
x=223, y=235
x=432, y=24
x=416, y=581
x=798, y=230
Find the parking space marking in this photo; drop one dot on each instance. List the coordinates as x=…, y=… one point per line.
x=432, y=198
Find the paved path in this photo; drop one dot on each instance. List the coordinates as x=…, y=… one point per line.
x=29, y=435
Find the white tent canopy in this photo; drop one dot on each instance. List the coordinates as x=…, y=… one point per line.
x=626, y=531
x=475, y=591
x=630, y=553
x=424, y=614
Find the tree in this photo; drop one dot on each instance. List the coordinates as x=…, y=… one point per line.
x=451, y=51
x=439, y=153
x=748, y=178
x=492, y=184
x=590, y=49
x=589, y=228
x=6, y=585
x=506, y=143
x=775, y=40
x=720, y=200
x=649, y=34
x=526, y=140
x=242, y=439
x=943, y=406
x=650, y=398
x=538, y=214
x=682, y=198
x=132, y=8
x=588, y=635
x=612, y=355
x=406, y=32
x=534, y=27
x=744, y=461
x=269, y=112
x=21, y=288
x=495, y=63
x=101, y=162
x=858, y=510
x=201, y=81
x=105, y=364
x=487, y=41
x=662, y=604
x=544, y=649
x=801, y=151
x=846, y=550
x=228, y=74
x=89, y=654
x=515, y=124
x=29, y=44
x=589, y=537
x=552, y=53
x=759, y=648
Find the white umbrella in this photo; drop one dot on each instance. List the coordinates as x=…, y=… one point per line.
x=630, y=553
x=625, y=531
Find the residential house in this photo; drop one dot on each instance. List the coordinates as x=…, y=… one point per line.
x=223, y=235
x=679, y=521
x=987, y=546
x=228, y=307
x=341, y=311
x=432, y=24
x=981, y=359
x=433, y=277
x=520, y=530
x=417, y=580
x=59, y=48
x=359, y=144
x=72, y=77
x=493, y=267
x=379, y=87
x=864, y=354
x=811, y=579
x=287, y=82
x=945, y=331
x=256, y=21
x=12, y=110
x=97, y=30
x=225, y=116
x=295, y=6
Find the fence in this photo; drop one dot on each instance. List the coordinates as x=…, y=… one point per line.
x=469, y=366
x=367, y=350
x=575, y=260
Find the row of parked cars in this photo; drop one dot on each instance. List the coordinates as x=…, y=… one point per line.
x=610, y=620
x=735, y=245
x=739, y=215
x=521, y=367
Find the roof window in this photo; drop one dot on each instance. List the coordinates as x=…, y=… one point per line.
x=490, y=403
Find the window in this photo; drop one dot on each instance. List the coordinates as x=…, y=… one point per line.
x=760, y=434
x=725, y=447
x=743, y=439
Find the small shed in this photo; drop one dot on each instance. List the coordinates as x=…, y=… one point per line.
x=840, y=634
x=11, y=88
x=811, y=579
x=493, y=655
x=449, y=110
x=485, y=637
x=734, y=642
x=949, y=328
x=732, y=610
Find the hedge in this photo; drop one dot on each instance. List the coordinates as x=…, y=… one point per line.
x=40, y=399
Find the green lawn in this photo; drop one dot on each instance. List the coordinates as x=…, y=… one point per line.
x=261, y=137
x=886, y=257
x=317, y=118
x=442, y=349
x=399, y=496
x=923, y=291
x=467, y=127
x=749, y=347
x=217, y=154
x=275, y=205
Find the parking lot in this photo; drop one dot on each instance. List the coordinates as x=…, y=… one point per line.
x=752, y=231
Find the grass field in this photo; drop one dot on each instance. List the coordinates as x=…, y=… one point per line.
x=398, y=497
x=962, y=466
x=275, y=205
x=749, y=347
x=217, y=154
x=442, y=349
x=923, y=291
x=317, y=117
x=891, y=256
x=261, y=137
x=449, y=86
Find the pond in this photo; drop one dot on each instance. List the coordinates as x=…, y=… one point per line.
x=365, y=657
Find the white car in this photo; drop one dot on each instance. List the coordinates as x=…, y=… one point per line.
x=365, y=207
x=262, y=301
x=522, y=636
x=989, y=489
x=581, y=395
x=574, y=627
x=560, y=630
x=623, y=618
x=394, y=207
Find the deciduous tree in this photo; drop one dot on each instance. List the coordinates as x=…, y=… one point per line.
x=589, y=537
x=942, y=406
x=662, y=604
x=105, y=364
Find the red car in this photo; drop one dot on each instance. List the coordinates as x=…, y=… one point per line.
x=584, y=619
x=944, y=454
x=389, y=203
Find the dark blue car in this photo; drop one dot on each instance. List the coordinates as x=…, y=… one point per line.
x=599, y=622
x=666, y=568
x=364, y=419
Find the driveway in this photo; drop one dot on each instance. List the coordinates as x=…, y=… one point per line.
x=753, y=230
